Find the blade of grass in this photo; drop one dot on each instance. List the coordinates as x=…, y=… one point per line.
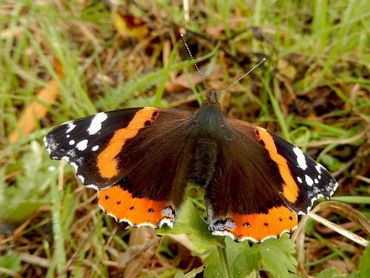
x=352, y=199
x=166, y=74
x=59, y=256
x=276, y=107
x=339, y=230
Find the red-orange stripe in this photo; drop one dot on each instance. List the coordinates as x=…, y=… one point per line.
x=107, y=163
x=290, y=187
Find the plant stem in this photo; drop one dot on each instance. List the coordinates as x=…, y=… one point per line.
x=223, y=259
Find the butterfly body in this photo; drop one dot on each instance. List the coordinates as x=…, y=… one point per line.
x=140, y=161
x=209, y=132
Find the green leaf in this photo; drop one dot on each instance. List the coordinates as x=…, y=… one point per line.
x=190, y=274
x=190, y=222
x=364, y=266
x=327, y=273
x=10, y=262
x=277, y=257
x=213, y=266
x=27, y=194
x=242, y=260
x=245, y=262
x=16, y=212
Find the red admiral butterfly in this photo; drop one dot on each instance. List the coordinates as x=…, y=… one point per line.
x=141, y=159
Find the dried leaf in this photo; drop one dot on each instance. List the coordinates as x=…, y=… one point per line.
x=129, y=26
x=286, y=69
x=142, y=245
x=37, y=109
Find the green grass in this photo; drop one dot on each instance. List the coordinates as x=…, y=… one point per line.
x=321, y=95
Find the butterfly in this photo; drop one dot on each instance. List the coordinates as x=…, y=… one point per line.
x=140, y=161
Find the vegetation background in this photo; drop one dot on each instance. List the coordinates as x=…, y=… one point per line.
x=60, y=60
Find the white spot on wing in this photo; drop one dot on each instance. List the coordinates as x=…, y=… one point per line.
x=72, y=142
x=96, y=122
x=309, y=181
x=66, y=158
x=70, y=127
x=95, y=148
x=226, y=233
x=300, y=158
x=74, y=165
x=166, y=221
x=140, y=224
x=50, y=144
x=82, y=179
x=299, y=179
x=318, y=168
x=82, y=145
x=92, y=186
x=316, y=181
x=335, y=186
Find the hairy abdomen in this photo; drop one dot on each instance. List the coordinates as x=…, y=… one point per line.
x=202, y=166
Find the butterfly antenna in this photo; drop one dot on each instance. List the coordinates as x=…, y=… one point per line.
x=195, y=64
x=245, y=74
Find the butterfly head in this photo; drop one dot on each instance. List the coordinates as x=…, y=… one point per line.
x=212, y=98
x=209, y=118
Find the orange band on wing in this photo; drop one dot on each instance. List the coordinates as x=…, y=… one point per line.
x=107, y=163
x=290, y=188
x=261, y=226
x=120, y=204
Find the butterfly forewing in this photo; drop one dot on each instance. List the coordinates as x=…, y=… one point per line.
x=312, y=179
x=93, y=144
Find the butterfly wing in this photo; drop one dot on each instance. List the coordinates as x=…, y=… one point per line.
x=264, y=195
x=134, y=157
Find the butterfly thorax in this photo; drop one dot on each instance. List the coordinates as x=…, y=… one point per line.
x=209, y=121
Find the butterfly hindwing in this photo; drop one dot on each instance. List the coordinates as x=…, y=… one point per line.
x=120, y=204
